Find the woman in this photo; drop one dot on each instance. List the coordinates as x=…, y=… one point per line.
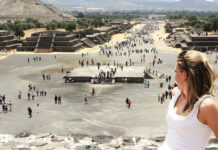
x=193, y=113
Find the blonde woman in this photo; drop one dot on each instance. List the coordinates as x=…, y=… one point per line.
x=193, y=113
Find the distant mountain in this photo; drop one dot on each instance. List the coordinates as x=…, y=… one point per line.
x=136, y=4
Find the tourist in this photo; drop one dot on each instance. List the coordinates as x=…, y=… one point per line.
x=43, y=76
x=129, y=103
x=33, y=96
x=59, y=99
x=37, y=91
x=10, y=106
x=127, y=99
x=45, y=91
x=19, y=94
x=28, y=95
x=29, y=112
x=37, y=108
x=85, y=99
x=193, y=113
x=93, y=92
x=3, y=98
x=56, y=99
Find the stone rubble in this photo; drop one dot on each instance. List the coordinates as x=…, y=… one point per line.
x=47, y=141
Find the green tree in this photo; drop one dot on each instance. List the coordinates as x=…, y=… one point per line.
x=98, y=22
x=212, y=16
x=81, y=15
x=71, y=26
x=30, y=25
x=197, y=26
x=53, y=26
x=18, y=30
x=191, y=18
x=47, y=26
x=83, y=22
x=208, y=26
x=214, y=22
x=10, y=25
x=194, y=22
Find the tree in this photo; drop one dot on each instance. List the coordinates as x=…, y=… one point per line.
x=208, y=26
x=214, y=21
x=53, y=25
x=71, y=26
x=10, y=25
x=80, y=15
x=30, y=25
x=191, y=17
x=83, y=22
x=47, y=27
x=198, y=25
x=19, y=30
x=98, y=22
x=212, y=16
x=194, y=22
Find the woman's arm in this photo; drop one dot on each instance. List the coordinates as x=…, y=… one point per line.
x=208, y=114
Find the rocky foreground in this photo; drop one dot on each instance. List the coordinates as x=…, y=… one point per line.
x=26, y=141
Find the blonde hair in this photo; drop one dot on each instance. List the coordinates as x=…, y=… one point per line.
x=200, y=76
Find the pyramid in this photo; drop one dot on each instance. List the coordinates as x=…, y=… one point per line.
x=23, y=9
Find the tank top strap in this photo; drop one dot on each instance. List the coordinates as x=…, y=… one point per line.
x=198, y=103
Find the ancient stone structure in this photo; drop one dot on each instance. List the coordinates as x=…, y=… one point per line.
x=200, y=43
x=68, y=41
x=8, y=40
x=52, y=41
x=22, y=9
x=191, y=40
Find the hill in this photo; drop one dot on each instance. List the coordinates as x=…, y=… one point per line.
x=23, y=9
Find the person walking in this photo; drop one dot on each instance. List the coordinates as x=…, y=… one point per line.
x=37, y=108
x=59, y=99
x=127, y=99
x=56, y=99
x=33, y=96
x=85, y=99
x=129, y=103
x=10, y=106
x=28, y=95
x=29, y=112
x=19, y=94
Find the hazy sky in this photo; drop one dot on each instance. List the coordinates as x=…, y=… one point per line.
x=141, y=0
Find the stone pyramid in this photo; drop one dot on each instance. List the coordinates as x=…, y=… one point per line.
x=23, y=9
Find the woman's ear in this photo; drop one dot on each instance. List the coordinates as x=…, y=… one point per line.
x=185, y=75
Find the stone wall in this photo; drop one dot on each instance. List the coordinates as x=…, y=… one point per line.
x=8, y=40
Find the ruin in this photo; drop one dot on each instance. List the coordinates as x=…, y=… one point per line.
x=59, y=41
x=91, y=74
x=186, y=39
x=22, y=9
x=51, y=41
x=8, y=40
x=200, y=43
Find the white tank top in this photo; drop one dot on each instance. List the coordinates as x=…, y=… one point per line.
x=185, y=132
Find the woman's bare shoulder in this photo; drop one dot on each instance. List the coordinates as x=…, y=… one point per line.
x=209, y=114
x=209, y=104
x=174, y=91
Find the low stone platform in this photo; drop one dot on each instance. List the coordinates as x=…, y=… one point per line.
x=129, y=74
